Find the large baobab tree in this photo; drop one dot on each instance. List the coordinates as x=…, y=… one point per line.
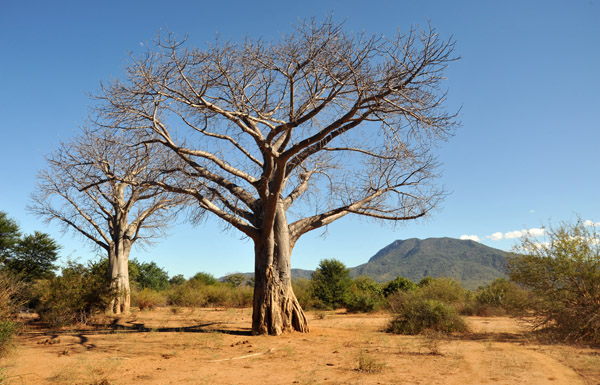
x=281, y=138
x=92, y=186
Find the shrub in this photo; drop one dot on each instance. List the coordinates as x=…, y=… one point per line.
x=365, y=295
x=228, y=296
x=8, y=330
x=204, y=278
x=74, y=295
x=178, y=279
x=188, y=294
x=147, y=298
x=195, y=294
x=418, y=315
x=501, y=296
x=398, y=284
x=563, y=273
x=150, y=275
x=330, y=283
x=447, y=291
x=235, y=280
x=10, y=300
x=303, y=292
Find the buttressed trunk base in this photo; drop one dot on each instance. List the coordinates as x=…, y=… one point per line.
x=119, y=276
x=276, y=309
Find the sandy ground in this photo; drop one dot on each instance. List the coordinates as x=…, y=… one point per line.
x=214, y=346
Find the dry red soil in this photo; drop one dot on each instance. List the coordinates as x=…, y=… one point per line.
x=214, y=346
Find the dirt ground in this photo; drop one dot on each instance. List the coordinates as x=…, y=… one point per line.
x=214, y=346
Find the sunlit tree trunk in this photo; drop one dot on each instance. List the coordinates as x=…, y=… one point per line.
x=276, y=309
x=118, y=267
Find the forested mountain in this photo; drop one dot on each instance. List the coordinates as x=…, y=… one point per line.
x=469, y=262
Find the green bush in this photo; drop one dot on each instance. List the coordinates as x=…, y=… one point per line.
x=235, y=280
x=8, y=330
x=227, y=296
x=563, y=273
x=365, y=295
x=447, y=291
x=330, y=283
x=501, y=296
x=204, y=278
x=149, y=275
x=419, y=314
x=178, y=279
x=188, y=295
x=193, y=293
x=11, y=290
x=147, y=298
x=303, y=292
x=73, y=296
x=398, y=284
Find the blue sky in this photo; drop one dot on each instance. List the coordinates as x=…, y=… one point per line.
x=528, y=83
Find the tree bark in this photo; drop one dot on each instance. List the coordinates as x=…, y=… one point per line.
x=118, y=267
x=275, y=307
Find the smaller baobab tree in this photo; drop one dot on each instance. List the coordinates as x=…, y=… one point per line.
x=94, y=186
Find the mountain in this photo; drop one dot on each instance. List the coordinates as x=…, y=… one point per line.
x=469, y=262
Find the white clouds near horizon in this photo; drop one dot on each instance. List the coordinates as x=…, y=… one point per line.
x=470, y=238
x=533, y=232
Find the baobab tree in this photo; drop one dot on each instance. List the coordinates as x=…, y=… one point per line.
x=281, y=138
x=91, y=186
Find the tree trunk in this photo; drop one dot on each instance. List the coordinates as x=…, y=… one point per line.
x=275, y=307
x=118, y=266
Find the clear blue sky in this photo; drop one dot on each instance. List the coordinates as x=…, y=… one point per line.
x=528, y=83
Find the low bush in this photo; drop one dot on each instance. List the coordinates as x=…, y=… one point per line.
x=501, y=297
x=8, y=330
x=189, y=294
x=10, y=300
x=364, y=295
x=147, y=298
x=398, y=284
x=194, y=293
x=73, y=296
x=228, y=296
x=417, y=315
x=303, y=292
x=445, y=290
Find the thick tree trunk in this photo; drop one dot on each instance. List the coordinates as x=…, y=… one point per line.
x=118, y=267
x=275, y=307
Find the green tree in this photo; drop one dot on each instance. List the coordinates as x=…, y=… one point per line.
x=151, y=276
x=178, y=279
x=33, y=257
x=9, y=236
x=398, y=284
x=235, y=280
x=564, y=274
x=204, y=278
x=330, y=283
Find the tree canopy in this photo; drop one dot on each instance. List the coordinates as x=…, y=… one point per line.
x=284, y=137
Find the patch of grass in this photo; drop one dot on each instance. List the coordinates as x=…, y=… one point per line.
x=432, y=341
x=368, y=364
